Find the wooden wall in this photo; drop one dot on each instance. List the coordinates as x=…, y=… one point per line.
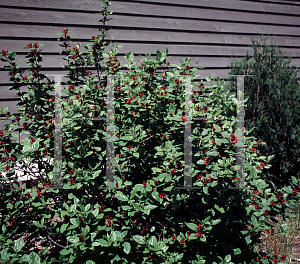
x=211, y=31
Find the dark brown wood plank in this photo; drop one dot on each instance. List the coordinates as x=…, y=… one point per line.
x=185, y=50
x=167, y=24
x=288, y=8
x=12, y=42
x=140, y=10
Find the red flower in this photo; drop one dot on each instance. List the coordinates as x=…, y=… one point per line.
x=266, y=212
x=144, y=183
x=183, y=118
x=174, y=238
x=283, y=257
x=133, y=78
x=155, y=182
x=72, y=180
x=5, y=150
x=32, y=140
x=199, y=234
x=7, y=168
x=162, y=195
x=273, y=203
x=4, y=52
x=65, y=32
x=36, y=45
x=182, y=242
x=199, y=227
x=295, y=191
x=13, y=221
x=88, y=72
x=1, y=132
x=213, y=142
x=109, y=223
x=77, y=96
x=257, y=206
x=130, y=147
x=232, y=138
x=101, y=208
x=172, y=172
x=80, y=237
x=82, y=219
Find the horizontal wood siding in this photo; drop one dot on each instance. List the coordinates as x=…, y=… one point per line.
x=213, y=32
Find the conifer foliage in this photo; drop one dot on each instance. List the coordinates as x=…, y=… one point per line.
x=273, y=106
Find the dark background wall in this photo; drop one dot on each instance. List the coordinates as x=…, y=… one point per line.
x=212, y=32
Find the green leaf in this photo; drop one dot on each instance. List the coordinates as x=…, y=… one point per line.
x=205, y=190
x=215, y=222
x=73, y=239
x=4, y=228
x=63, y=228
x=37, y=224
x=4, y=110
x=220, y=209
x=152, y=241
x=87, y=208
x=35, y=146
x=34, y=258
x=237, y=251
x=120, y=196
x=103, y=242
x=12, y=55
x=95, y=212
x=129, y=56
x=90, y=262
x=150, y=207
x=172, y=109
x=126, y=247
x=192, y=226
x=248, y=240
x=19, y=244
x=287, y=189
x=137, y=155
x=64, y=252
x=254, y=221
x=227, y=258
x=26, y=148
x=5, y=254
x=139, y=239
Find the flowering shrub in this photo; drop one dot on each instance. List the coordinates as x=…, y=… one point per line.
x=145, y=220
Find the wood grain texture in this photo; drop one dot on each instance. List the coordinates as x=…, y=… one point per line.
x=213, y=32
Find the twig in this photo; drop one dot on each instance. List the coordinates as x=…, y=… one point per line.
x=52, y=239
x=148, y=138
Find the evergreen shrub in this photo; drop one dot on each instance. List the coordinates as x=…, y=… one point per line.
x=273, y=107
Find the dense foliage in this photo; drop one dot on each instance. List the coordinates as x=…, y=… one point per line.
x=145, y=220
x=273, y=107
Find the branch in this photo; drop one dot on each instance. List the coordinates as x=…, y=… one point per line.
x=52, y=239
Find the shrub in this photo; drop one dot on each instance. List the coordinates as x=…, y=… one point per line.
x=149, y=220
x=273, y=107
